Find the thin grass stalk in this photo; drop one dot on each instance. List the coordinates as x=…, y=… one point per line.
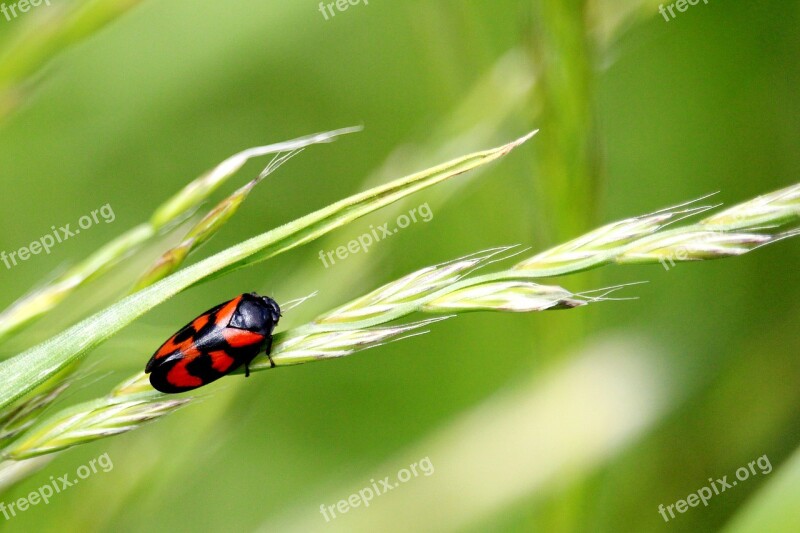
x=40, y=301
x=207, y=227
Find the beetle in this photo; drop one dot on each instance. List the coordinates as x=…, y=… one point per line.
x=215, y=343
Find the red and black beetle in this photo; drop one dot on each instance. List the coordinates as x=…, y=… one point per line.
x=215, y=343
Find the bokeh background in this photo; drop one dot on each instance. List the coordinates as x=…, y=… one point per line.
x=581, y=420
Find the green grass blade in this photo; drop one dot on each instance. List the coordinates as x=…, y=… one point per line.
x=24, y=372
x=206, y=228
x=39, y=301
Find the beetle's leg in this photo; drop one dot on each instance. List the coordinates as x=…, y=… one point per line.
x=269, y=349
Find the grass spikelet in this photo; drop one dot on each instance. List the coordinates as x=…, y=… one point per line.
x=735, y=231
x=509, y=296
x=207, y=227
x=88, y=422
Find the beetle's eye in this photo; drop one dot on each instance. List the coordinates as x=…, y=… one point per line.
x=274, y=310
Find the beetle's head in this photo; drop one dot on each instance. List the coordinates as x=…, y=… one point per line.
x=256, y=313
x=272, y=308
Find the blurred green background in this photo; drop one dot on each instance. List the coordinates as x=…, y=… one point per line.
x=584, y=420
